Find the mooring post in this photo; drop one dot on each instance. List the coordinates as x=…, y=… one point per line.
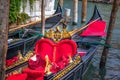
x=61, y=3
x=109, y=32
x=43, y=16
x=75, y=12
x=84, y=10
x=4, y=19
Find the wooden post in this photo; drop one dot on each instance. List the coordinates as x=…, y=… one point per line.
x=75, y=13
x=109, y=32
x=84, y=10
x=4, y=16
x=61, y=3
x=43, y=16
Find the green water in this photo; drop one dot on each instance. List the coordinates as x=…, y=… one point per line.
x=112, y=71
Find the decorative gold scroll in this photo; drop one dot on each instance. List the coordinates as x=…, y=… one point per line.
x=21, y=60
x=58, y=34
x=68, y=68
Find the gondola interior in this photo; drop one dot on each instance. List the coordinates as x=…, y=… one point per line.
x=63, y=55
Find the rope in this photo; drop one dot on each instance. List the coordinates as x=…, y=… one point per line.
x=39, y=34
x=20, y=31
x=94, y=43
x=33, y=34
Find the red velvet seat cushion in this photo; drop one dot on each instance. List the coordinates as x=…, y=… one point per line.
x=67, y=48
x=44, y=47
x=82, y=54
x=35, y=63
x=9, y=62
x=95, y=29
x=58, y=54
x=55, y=51
x=36, y=73
x=17, y=77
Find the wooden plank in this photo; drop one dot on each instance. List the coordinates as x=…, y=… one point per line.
x=30, y=24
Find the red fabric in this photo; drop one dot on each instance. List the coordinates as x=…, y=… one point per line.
x=59, y=65
x=55, y=51
x=95, y=29
x=40, y=78
x=67, y=48
x=44, y=47
x=58, y=54
x=17, y=77
x=82, y=53
x=37, y=63
x=34, y=74
x=9, y=62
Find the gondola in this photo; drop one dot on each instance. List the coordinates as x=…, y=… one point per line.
x=66, y=55
x=22, y=41
x=50, y=22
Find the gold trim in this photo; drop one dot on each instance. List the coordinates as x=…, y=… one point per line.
x=60, y=74
x=20, y=61
x=58, y=34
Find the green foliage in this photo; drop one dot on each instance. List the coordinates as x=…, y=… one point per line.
x=15, y=6
x=23, y=16
x=24, y=2
x=31, y=4
x=14, y=10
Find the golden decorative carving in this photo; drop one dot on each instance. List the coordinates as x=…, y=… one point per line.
x=65, y=33
x=19, y=55
x=21, y=60
x=68, y=68
x=50, y=34
x=14, y=72
x=48, y=65
x=70, y=59
x=58, y=34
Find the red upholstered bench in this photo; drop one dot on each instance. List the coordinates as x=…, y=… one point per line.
x=17, y=77
x=58, y=54
x=95, y=29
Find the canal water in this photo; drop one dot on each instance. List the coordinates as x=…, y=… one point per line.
x=112, y=71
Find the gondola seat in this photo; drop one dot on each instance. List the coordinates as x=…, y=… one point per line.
x=82, y=54
x=97, y=28
x=11, y=61
x=58, y=54
x=17, y=77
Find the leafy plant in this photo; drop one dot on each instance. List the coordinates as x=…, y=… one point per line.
x=31, y=4
x=14, y=10
x=15, y=6
x=23, y=16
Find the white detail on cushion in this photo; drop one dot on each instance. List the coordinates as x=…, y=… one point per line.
x=34, y=58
